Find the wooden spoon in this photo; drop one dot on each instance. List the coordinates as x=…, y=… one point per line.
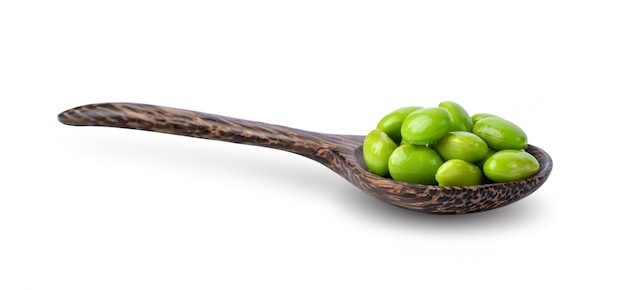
x=341, y=153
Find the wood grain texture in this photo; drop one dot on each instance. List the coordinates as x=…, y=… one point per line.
x=340, y=153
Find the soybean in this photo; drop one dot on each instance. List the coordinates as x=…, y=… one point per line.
x=461, y=120
x=479, y=116
x=457, y=172
x=500, y=134
x=510, y=165
x=392, y=122
x=446, y=146
x=462, y=145
x=414, y=164
x=426, y=126
x=377, y=147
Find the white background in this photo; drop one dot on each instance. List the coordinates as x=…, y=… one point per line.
x=102, y=208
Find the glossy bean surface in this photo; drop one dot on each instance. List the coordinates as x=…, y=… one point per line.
x=510, y=165
x=392, y=122
x=377, y=147
x=426, y=126
x=462, y=145
x=414, y=164
x=500, y=134
x=457, y=172
x=461, y=120
x=479, y=116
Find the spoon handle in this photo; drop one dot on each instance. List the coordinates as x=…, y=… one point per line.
x=208, y=126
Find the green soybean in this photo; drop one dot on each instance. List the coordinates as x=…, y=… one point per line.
x=500, y=134
x=479, y=116
x=461, y=120
x=462, y=145
x=444, y=145
x=510, y=165
x=392, y=122
x=414, y=164
x=426, y=126
x=377, y=147
x=457, y=172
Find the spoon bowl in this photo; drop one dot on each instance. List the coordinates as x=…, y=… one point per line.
x=341, y=153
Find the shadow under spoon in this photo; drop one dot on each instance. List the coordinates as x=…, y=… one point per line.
x=340, y=153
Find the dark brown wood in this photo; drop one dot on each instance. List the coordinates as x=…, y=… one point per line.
x=341, y=153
